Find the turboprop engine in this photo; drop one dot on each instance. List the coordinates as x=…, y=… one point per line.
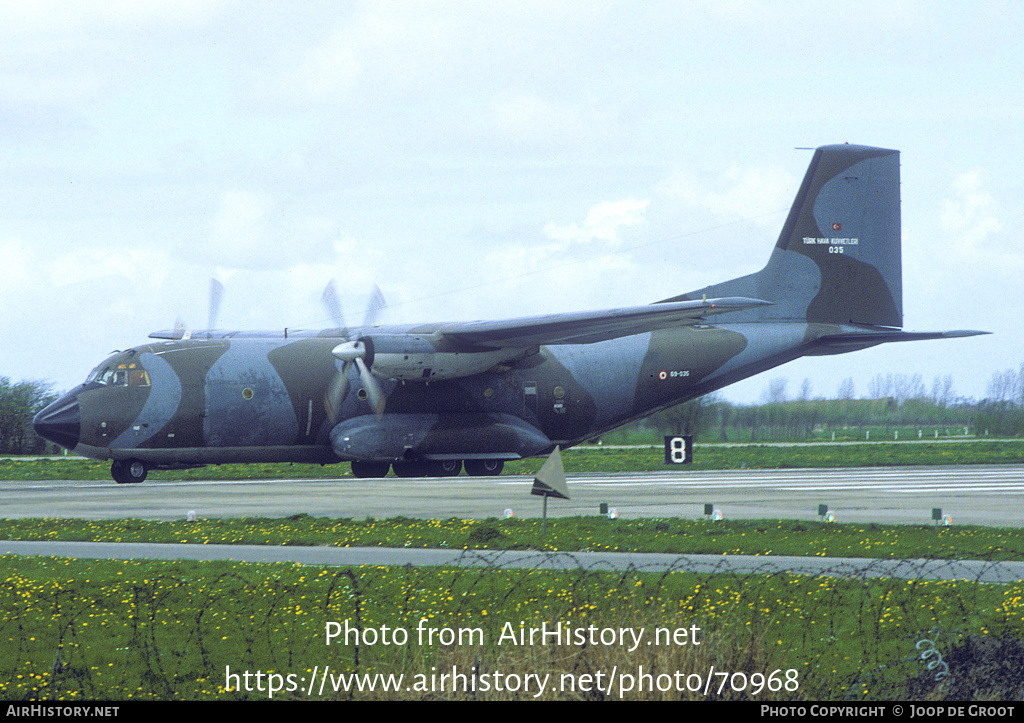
x=414, y=358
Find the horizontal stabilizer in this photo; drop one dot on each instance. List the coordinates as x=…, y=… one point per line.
x=881, y=336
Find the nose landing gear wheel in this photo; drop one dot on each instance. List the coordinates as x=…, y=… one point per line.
x=128, y=471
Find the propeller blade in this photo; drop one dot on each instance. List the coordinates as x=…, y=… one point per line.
x=216, y=294
x=374, y=394
x=376, y=305
x=336, y=393
x=330, y=301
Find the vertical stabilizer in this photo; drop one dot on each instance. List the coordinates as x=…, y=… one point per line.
x=838, y=258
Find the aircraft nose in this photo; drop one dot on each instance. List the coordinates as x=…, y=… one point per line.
x=60, y=422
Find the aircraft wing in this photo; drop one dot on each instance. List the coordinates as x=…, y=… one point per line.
x=586, y=327
x=581, y=327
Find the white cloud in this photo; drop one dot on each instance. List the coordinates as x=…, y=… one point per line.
x=603, y=223
x=755, y=193
x=971, y=215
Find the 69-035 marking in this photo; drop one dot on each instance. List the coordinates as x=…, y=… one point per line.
x=673, y=374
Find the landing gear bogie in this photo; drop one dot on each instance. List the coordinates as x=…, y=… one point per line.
x=409, y=468
x=428, y=468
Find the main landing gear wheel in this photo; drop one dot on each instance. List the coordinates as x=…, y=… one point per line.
x=366, y=470
x=445, y=467
x=128, y=471
x=484, y=467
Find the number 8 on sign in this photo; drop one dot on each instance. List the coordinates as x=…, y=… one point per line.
x=678, y=450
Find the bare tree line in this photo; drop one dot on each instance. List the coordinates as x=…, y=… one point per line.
x=893, y=401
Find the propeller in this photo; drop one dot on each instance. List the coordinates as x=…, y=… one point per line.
x=353, y=351
x=216, y=294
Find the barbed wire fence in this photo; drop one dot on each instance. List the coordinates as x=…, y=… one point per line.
x=696, y=632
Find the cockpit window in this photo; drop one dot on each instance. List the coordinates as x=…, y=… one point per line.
x=127, y=374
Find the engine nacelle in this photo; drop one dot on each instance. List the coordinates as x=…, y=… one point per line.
x=414, y=358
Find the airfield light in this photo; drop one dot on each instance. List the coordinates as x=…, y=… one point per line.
x=509, y=513
x=613, y=513
x=717, y=515
x=191, y=516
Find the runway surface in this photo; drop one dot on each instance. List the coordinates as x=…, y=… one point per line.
x=971, y=495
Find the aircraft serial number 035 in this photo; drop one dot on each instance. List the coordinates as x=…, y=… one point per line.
x=439, y=398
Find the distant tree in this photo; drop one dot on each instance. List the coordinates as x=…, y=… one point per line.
x=19, y=403
x=846, y=390
x=942, y=391
x=776, y=391
x=1020, y=385
x=900, y=387
x=1002, y=387
x=692, y=417
x=880, y=386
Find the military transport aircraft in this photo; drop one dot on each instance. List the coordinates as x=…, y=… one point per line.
x=429, y=399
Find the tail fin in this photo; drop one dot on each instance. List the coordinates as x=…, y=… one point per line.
x=838, y=258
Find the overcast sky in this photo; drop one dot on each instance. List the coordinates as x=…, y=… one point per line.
x=489, y=160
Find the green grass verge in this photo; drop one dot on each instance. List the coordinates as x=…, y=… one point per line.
x=570, y=534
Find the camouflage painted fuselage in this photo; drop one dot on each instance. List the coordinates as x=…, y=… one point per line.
x=252, y=400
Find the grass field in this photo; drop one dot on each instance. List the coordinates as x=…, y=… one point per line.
x=88, y=630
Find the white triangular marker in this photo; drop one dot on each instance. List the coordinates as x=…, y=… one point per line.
x=550, y=479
